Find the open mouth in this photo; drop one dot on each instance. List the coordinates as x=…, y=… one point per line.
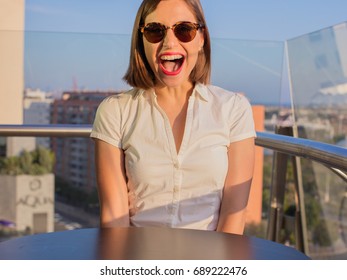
x=171, y=64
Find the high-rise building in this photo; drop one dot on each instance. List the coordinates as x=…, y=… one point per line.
x=75, y=156
x=26, y=201
x=12, y=74
x=37, y=110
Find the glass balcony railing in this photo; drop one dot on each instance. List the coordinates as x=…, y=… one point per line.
x=298, y=85
x=317, y=226
x=57, y=62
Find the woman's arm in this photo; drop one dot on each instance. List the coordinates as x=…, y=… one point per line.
x=112, y=188
x=237, y=186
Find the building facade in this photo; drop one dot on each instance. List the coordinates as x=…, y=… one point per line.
x=28, y=202
x=12, y=74
x=75, y=156
x=37, y=110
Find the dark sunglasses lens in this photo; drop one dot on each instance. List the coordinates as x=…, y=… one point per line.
x=185, y=32
x=154, y=32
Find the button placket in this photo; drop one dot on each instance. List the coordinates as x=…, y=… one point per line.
x=177, y=157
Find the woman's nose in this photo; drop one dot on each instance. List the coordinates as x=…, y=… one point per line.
x=170, y=39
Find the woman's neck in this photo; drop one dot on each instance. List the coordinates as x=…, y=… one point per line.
x=174, y=95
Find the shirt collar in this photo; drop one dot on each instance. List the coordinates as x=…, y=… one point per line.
x=202, y=91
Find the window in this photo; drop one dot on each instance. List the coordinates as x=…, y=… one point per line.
x=2, y=146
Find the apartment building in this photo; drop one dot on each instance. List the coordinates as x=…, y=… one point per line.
x=37, y=110
x=75, y=156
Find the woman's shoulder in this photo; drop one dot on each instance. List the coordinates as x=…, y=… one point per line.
x=123, y=95
x=121, y=98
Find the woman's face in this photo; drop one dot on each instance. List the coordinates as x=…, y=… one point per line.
x=171, y=60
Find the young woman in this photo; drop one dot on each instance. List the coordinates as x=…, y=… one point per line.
x=174, y=151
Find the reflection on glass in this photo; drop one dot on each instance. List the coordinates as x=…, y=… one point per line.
x=251, y=67
x=318, y=71
x=58, y=62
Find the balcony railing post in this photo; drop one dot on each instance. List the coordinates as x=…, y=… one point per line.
x=277, y=219
x=277, y=196
x=300, y=213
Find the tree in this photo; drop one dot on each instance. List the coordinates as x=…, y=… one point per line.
x=37, y=162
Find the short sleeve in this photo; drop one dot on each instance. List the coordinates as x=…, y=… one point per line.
x=107, y=122
x=241, y=120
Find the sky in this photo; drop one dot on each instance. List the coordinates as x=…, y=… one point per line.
x=248, y=41
x=248, y=19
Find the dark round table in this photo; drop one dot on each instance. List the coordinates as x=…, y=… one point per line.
x=144, y=244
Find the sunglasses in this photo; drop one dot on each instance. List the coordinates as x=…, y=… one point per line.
x=184, y=31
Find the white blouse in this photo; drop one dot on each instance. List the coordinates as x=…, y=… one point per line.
x=167, y=188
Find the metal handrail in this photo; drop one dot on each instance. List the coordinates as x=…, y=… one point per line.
x=332, y=156
x=51, y=130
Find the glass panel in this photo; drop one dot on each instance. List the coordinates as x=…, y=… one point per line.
x=251, y=67
x=57, y=62
x=326, y=212
x=68, y=74
x=318, y=71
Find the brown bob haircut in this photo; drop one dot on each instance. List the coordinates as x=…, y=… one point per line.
x=140, y=74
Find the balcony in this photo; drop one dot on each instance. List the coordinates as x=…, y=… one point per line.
x=301, y=83
x=283, y=220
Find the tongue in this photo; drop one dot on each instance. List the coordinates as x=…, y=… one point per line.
x=171, y=66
